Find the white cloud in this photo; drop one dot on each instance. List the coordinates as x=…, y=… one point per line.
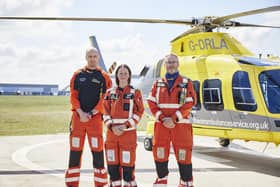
x=33, y=7
x=36, y=52
x=261, y=40
x=132, y=50
x=39, y=65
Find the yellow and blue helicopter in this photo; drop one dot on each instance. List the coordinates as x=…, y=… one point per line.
x=238, y=92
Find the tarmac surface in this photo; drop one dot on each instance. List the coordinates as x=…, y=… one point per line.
x=40, y=161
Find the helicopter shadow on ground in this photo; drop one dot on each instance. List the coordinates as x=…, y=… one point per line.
x=237, y=157
x=240, y=158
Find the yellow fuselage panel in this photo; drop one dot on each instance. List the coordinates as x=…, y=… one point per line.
x=208, y=43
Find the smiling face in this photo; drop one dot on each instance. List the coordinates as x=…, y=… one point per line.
x=123, y=75
x=171, y=63
x=92, y=58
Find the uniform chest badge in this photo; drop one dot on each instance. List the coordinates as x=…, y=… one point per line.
x=95, y=81
x=83, y=79
x=113, y=96
x=128, y=96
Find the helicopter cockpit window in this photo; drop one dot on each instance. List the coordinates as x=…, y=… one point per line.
x=196, y=86
x=212, y=95
x=150, y=73
x=158, y=68
x=270, y=85
x=242, y=93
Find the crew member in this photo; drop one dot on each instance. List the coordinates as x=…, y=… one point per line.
x=88, y=86
x=123, y=108
x=170, y=101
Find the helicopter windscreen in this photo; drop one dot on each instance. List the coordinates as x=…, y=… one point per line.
x=270, y=85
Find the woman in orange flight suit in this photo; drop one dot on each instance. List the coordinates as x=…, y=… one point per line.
x=123, y=108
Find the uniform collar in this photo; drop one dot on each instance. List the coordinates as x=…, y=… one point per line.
x=171, y=76
x=178, y=80
x=125, y=88
x=91, y=70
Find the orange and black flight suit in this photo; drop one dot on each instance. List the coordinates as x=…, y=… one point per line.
x=87, y=89
x=123, y=106
x=176, y=103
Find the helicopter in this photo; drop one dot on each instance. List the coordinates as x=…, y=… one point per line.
x=238, y=92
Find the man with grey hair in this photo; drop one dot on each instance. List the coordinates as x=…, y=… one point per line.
x=170, y=101
x=87, y=87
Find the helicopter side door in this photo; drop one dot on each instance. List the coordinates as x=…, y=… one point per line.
x=248, y=112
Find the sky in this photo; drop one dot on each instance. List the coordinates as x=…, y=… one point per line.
x=44, y=52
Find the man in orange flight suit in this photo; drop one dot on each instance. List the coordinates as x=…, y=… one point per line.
x=123, y=107
x=88, y=86
x=171, y=100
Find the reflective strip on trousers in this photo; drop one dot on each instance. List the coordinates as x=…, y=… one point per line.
x=72, y=179
x=71, y=171
x=187, y=183
x=102, y=171
x=101, y=180
x=133, y=183
x=116, y=183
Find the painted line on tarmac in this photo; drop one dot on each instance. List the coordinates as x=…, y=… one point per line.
x=20, y=158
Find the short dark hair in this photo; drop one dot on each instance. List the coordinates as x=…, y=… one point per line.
x=117, y=71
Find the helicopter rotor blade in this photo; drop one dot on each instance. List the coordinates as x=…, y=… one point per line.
x=222, y=19
x=237, y=24
x=184, y=22
x=207, y=24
